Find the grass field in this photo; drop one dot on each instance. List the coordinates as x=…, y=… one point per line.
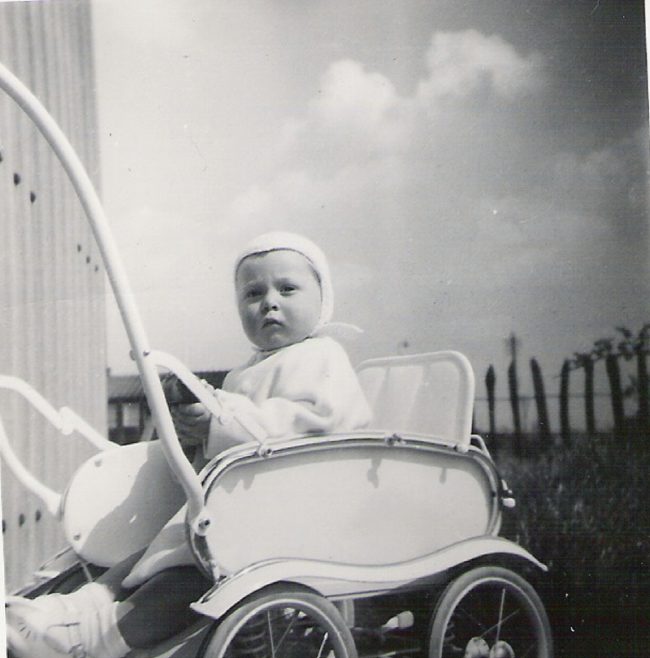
x=584, y=510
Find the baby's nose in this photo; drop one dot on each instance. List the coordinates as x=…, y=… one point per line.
x=270, y=302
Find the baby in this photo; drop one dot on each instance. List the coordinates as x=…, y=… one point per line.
x=298, y=381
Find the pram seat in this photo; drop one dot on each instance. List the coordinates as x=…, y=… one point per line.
x=430, y=393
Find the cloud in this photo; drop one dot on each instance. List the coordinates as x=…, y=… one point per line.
x=464, y=63
x=362, y=149
x=362, y=153
x=358, y=115
x=355, y=113
x=351, y=96
x=608, y=183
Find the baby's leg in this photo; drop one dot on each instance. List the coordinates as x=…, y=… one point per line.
x=159, y=608
x=102, y=626
x=33, y=623
x=105, y=589
x=112, y=578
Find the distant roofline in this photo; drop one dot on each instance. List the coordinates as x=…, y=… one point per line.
x=128, y=388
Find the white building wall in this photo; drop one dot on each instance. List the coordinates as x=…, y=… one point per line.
x=52, y=318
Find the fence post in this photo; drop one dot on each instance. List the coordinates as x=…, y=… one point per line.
x=490, y=382
x=643, y=392
x=590, y=414
x=565, y=428
x=540, y=399
x=513, y=386
x=614, y=376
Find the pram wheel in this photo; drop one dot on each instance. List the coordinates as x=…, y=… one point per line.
x=281, y=622
x=493, y=608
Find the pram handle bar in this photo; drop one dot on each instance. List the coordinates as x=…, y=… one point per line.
x=65, y=420
x=197, y=515
x=50, y=498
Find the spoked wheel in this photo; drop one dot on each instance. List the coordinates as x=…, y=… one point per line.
x=281, y=622
x=490, y=612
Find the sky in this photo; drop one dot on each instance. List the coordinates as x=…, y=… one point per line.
x=471, y=169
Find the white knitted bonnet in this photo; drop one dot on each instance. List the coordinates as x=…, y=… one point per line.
x=277, y=240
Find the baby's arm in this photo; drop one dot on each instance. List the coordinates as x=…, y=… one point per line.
x=318, y=394
x=242, y=420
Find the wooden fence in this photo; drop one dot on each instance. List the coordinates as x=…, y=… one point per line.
x=630, y=348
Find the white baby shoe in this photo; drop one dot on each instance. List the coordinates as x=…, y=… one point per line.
x=46, y=627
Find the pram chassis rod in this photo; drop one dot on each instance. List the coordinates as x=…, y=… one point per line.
x=198, y=516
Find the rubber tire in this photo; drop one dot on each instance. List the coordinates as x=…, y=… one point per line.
x=457, y=589
x=319, y=608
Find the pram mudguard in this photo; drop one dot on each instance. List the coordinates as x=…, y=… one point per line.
x=343, y=581
x=118, y=501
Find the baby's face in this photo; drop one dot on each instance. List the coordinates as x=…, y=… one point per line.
x=279, y=298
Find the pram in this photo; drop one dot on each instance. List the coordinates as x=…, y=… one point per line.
x=386, y=541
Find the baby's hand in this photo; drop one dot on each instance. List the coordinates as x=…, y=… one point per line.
x=192, y=423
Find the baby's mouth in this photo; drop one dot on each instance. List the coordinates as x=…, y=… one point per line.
x=271, y=322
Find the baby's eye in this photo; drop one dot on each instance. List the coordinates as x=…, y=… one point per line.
x=288, y=288
x=251, y=293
